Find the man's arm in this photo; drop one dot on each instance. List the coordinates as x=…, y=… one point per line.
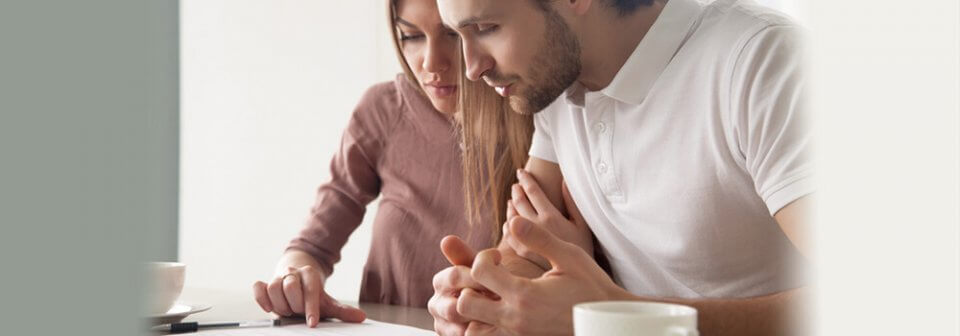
x=795, y=221
x=775, y=314
x=531, y=306
x=783, y=313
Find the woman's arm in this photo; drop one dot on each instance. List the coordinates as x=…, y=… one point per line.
x=548, y=176
x=297, y=287
x=296, y=259
x=561, y=216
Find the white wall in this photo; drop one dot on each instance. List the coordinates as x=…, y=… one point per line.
x=267, y=87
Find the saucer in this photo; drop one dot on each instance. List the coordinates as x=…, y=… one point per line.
x=178, y=312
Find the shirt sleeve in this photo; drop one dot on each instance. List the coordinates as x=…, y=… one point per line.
x=769, y=117
x=354, y=182
x=541, y=146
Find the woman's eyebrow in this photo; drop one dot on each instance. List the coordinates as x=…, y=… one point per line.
x=406, y=23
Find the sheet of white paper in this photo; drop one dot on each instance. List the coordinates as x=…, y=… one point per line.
x=368, y=327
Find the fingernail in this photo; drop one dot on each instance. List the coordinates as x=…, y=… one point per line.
x=311, y=321
x=519, y=173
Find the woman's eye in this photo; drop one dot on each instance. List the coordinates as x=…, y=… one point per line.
x=453, y=34
x=411, y=37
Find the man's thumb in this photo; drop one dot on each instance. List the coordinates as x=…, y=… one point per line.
x=456, y=251
x=542, y=242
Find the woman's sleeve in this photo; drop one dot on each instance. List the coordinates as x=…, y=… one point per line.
x=354, y=180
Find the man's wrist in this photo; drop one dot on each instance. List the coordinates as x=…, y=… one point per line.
x=619, y=294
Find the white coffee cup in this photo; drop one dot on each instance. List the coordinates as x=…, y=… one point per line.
x=635, y=318
x=164, y=282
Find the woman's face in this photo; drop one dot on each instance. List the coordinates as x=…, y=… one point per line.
x=431, y=51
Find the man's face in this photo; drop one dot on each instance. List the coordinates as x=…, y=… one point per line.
x=526, y=53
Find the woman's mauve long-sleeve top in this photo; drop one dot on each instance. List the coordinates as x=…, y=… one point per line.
x=398, y=147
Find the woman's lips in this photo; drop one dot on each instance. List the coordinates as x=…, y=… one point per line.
x=442, y=91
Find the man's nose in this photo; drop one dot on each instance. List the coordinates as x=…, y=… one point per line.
x=477, y=61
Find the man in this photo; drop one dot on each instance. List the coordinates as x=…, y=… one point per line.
x=678, y=128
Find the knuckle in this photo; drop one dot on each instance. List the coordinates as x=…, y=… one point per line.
x=462, y=306
x=453, y=278
x=275, y=285
x=450, y=312
x=291, y=284
x=438, y=280
x=439, y=307
x=432, y=306
x=478, y=271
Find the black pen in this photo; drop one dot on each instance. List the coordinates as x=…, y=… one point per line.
x=185, y=327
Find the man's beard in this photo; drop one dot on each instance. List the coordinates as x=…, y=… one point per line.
x=555, y=67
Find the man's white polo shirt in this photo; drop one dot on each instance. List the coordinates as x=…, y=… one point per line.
x=679, y=164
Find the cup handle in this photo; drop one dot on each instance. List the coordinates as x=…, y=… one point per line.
x=681, y=331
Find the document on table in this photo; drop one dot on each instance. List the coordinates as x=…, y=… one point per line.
x=367, y=327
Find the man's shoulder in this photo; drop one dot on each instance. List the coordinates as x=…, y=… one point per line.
x=745, y=13
x=734, y=22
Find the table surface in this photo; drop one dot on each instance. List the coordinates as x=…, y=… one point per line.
x=236, y=305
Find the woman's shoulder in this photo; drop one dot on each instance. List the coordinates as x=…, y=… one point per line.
x=380, y=96
x=386, y=103
x=392, y=97
x=379, y=107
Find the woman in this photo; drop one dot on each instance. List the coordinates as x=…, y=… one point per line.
x=402, y=144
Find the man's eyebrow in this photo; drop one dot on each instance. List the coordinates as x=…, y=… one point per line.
x=469, y=21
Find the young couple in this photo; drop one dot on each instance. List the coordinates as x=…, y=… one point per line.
x=666, y=137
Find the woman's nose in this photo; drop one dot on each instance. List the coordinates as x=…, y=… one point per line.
x=437, y=59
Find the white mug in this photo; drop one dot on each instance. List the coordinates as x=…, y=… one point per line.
x=635, y=318
x=164, y=284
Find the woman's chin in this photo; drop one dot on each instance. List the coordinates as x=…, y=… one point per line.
x=445, y=106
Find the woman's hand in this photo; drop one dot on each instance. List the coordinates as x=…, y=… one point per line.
x=530, y=202
x=300, y=291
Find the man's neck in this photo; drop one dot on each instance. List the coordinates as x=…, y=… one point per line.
x=608, y=40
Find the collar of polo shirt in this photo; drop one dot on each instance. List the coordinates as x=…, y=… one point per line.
x=654, y=52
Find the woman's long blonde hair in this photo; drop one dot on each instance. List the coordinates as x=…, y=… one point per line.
x=495, y=143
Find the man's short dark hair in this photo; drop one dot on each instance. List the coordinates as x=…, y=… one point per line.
x=623, y=7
